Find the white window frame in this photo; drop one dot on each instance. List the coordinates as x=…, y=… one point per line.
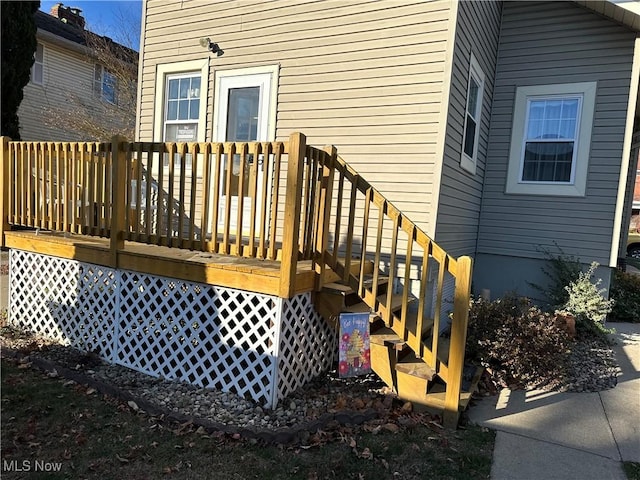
x=577, y=186
x=32, y=76
x=167, y=69
x=265, y=77
x=165, y=121
x=467, y=162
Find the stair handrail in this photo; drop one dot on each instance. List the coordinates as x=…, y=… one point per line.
x=460, y=268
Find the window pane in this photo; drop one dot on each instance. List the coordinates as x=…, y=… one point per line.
x=472, y=97
x=548, y=161
x=39, y=55
x=172, y=110
x=242, y=116
x=181, y=132
x=552, y=118
x=194, y=110
x=173, y=89
x=195, y=87
x=469, y=136
x=184, y=87
x=37, y=73
x=183, y=110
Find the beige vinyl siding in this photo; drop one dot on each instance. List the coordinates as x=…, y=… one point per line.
x=477, y=32
x=65, y=73
x=555, y=43
x=365, y=76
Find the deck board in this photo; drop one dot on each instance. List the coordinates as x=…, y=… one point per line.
x=251, y=274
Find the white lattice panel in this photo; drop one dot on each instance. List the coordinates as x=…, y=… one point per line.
x=205, y=335
x=307, y=344
x=66, y=300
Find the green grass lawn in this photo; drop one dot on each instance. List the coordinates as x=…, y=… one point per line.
x=50, y=423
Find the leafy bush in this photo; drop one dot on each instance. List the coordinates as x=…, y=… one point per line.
x=561, y=270
x=625, y=291
x=588, y=303
x=520, y=343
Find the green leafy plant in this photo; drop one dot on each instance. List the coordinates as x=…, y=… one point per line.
x=561, y=270
x=520, y=343
x=625, y=291
x=588, y=302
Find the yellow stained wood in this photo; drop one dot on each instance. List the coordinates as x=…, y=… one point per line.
x=119, y=184
x=5, y=186
x=291, y=229
x=458, y=340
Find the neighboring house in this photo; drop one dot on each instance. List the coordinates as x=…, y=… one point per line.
x=501, y=129
x=69, y=83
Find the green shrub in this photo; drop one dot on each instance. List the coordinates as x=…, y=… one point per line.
x=520, y=343
x=561, y=270
x=588, y=303
x=625, y=291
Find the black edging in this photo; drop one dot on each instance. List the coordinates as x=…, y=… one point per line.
x=287, y=435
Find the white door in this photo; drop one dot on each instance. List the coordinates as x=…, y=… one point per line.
x=243, y=115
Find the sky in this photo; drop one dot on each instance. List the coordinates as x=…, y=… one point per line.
x=119, y=20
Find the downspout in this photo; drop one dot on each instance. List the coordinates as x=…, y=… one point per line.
x=626, y=155
x=143, y=27
x=444, y=115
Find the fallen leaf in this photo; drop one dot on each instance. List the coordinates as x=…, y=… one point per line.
x=236, y=436
x=385, y=464
x=67, y=454
x=353, y=443
x=24, y=366
x=53, y=373
x=154, y=444
x=366, y=454
x=121, y=459
x=133, y=405
x=90, y=391
x=407, y=407
x=391, y=427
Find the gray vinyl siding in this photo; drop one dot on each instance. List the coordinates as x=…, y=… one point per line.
x=366, y=76
x=554, y=43
x=477, y=31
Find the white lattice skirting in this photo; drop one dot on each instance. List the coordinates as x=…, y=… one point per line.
x=258, y=346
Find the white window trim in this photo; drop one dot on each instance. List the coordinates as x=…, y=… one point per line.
x=475, y=71
x=264, y=75
x=578, y=186
x=35, y=61
x=165, y=69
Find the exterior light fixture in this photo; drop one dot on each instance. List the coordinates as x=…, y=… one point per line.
x=211, y=46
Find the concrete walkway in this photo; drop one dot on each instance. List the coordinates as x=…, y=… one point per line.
x=543, y=435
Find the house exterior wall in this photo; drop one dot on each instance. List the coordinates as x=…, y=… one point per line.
x=477, y=32
x=543, y=44
x=368, y=77
x=65, y=72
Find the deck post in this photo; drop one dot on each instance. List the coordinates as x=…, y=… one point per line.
x=5, y=182
x=118, y=196
x=458, y=341
x=326, y=194
x=292, y=210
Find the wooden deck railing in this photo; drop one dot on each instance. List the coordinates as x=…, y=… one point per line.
x=281, y=201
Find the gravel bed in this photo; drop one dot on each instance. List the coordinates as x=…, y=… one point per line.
x=325, y=394
x=593, y=367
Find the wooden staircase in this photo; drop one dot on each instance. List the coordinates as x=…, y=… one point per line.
x=419, y=375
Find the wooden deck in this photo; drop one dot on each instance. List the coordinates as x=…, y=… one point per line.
x=251, y=274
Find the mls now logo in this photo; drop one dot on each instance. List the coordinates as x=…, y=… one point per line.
x=31, y=466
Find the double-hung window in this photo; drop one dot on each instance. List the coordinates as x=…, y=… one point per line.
x=104, y=84
x=37, y=69
x=550, y=139
x=182, y=107
x=473, y=113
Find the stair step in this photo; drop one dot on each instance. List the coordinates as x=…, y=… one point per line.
x=388, y=338
x=340, y=288
x=415, y=367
